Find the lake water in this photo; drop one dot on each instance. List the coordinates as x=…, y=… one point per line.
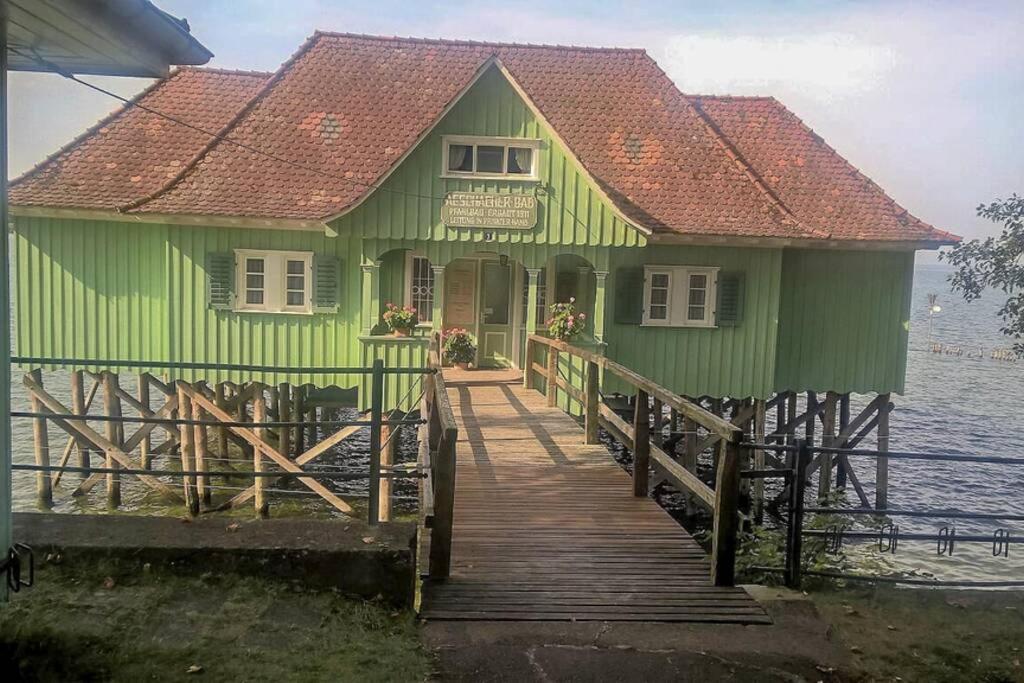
x=953, y=404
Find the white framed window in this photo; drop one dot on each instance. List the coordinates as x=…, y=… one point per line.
x=472, y=156
x=680, y=296
x=274, y=281
x=419, y=286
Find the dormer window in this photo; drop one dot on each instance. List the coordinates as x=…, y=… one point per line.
x=487, y=157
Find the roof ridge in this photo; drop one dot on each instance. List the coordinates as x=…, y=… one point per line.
x=730, y=149
x=860, y=174
x=91, y=130
x=221, y=134
x=727, y=97
x=477, y=43
x=225, y=71
x=748, y=169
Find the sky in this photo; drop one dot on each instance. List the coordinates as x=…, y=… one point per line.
x=926, y=98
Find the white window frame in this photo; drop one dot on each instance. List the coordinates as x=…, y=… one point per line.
x=275, y=281
x=410, y=256
x=679, y=296
x=479, y=140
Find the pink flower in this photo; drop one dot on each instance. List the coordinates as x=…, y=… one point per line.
x=572, y=299
x=583, y=316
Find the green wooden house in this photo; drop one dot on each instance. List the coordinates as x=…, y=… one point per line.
x=717, y=244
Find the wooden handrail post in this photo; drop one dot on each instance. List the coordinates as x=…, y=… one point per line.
x=528, y=362
x=592, y=403
x=641, y=444
x=726, y=524
x=376, y=417
x=552, y=387
x=389, y=437
x=444, y=506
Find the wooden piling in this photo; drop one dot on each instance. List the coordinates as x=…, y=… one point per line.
x=757, y=488
x=389, y=439
x=828, y=433
x=145, y=457
x=221, y=399
x=259, y=415
x=41, y=436
x=112, y=408
x=284, y=414
x=299, y=411
x=690, y=457
x=882, y=463
x=79, y=407
x=844, y=422
x=201, y=450
x=242, y=414
x=657, y=429
x=187, y=451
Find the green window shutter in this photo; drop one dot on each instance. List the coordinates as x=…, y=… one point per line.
x=220, y=280
x=326, y=283
x=731, y=288
x=629, y=295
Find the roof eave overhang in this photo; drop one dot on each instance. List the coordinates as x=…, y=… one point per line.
x=213, y=221
x=801, y=243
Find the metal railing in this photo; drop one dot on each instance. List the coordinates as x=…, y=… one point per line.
x=888, y=534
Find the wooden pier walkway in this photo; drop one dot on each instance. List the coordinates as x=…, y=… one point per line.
x=547, y=528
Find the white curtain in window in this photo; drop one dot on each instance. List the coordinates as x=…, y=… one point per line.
x=520, y=156
x=457, y=155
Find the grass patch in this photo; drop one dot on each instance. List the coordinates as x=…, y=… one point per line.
x=929, y=635
x=86, y=626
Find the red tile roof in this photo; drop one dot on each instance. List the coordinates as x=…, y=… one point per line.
x=132, y=152
x=313, y=140
x=810, y=178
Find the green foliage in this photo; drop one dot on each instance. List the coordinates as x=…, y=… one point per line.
x=459, y=346
x=565, y=323
x=400, y=318
x=996, y=263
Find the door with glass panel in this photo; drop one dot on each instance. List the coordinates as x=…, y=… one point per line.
x=495, y=336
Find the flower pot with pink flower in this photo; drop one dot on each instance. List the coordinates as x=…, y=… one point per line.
x=566, y=323
x=459, y=347
x=400, y=320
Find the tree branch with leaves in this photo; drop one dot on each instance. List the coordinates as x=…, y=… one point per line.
x=996, y=263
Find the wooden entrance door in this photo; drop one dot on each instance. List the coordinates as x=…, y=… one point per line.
x=460, y=295
x=495, y=314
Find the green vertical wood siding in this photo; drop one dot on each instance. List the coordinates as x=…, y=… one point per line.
x=844, y=320
x=408, y=205
x=87, y=289
x=727, y=361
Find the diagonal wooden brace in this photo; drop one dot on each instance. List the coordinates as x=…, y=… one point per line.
x=310, y=455
x=95, y=438
x=268, y=450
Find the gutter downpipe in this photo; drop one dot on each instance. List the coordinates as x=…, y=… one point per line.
x=5, y=314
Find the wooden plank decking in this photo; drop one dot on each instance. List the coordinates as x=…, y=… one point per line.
x=547, y=528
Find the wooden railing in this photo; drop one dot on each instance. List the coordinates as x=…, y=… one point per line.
x=438, y=438
x=723, y=500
